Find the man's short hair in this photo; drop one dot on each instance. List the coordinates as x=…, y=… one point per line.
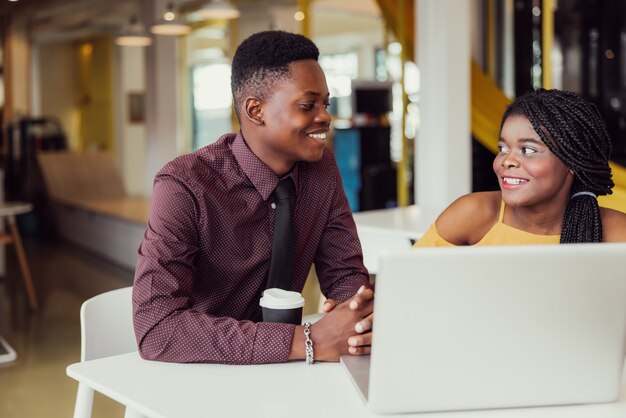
x=262, y=59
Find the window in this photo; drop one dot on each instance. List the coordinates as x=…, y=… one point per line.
x=212, y=102
x=340, y=70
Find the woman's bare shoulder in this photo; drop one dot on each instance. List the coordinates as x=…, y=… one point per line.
x=613, y=225
x=469, y=217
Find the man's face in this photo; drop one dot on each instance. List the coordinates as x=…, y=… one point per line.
x=293, y=121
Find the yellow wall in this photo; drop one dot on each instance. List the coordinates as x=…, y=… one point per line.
x=18, y=94
x=76, y=82
x=95, y=94
x=57, y=78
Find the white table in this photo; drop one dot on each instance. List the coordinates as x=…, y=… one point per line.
x=167, y=390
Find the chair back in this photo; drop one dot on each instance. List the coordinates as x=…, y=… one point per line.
x=375, y=242
x=106, y=325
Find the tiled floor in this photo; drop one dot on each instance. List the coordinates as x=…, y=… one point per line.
x=35, y=385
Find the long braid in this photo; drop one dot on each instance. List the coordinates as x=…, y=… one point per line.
x=574, y=131
x=581, y=222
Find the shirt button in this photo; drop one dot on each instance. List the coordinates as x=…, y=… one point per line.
x=273, y=205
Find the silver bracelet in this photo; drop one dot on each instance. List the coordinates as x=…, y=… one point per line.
x=308, y=343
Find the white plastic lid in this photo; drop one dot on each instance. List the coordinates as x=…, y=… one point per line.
x=276, y=298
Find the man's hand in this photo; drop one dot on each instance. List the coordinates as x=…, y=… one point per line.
x=361, y=344
x=334, y=334
x=329, y=305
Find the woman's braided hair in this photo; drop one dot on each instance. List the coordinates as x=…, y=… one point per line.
x=574, y=131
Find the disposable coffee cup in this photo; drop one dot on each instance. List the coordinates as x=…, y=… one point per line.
x=279, y=305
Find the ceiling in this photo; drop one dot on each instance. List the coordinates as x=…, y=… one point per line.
x=52, y=20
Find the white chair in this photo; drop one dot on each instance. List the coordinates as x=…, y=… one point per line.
x=106, y=328
x=375, y=241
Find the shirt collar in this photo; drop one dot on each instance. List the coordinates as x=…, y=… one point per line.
x=261, y=176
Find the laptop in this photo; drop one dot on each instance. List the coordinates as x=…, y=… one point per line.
x=468, y=328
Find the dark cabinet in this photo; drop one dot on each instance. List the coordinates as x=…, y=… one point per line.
x=368, y=175
x=23, y=181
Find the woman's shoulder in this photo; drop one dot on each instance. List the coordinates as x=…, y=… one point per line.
x=469, y=217
x=613, y=225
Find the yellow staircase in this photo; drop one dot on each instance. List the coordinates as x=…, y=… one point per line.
x=400, y=17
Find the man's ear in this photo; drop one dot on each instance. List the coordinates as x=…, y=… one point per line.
x=254, y=110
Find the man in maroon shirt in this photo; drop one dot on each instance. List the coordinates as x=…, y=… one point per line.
x=204, y=260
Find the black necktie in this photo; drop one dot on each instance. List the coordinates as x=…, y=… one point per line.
x=283, y=242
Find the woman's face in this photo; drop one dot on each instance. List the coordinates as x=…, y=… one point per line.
x=528, y=172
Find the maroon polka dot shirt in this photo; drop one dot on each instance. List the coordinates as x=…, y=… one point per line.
x=204, y=259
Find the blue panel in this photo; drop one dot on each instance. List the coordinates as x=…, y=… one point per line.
x=353, y=199
x=347, y=148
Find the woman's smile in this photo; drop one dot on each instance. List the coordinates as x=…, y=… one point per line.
x=511, y=183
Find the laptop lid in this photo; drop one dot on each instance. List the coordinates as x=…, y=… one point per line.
x=495, y=327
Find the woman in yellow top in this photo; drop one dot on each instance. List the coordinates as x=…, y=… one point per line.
x=552, y=164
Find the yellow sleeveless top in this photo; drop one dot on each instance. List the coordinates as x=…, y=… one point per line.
x=499, y=234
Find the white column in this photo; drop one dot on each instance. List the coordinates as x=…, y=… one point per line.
x=131, y=135
x=162, y=113
x=443, y=145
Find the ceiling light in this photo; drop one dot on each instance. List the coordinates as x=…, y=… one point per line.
x=170, y=24
x=170, y=28
x=133, y=35
x=210, y=32
x=214, y=10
